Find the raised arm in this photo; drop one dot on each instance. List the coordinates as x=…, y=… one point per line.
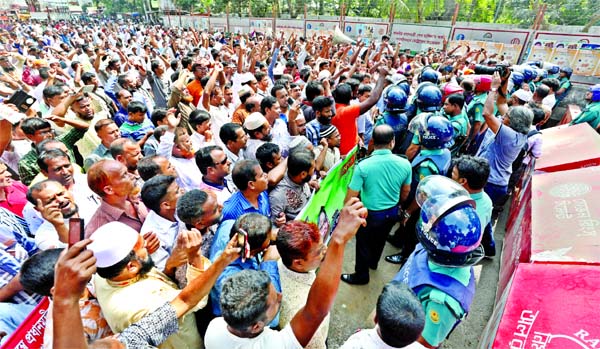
x=323, y=291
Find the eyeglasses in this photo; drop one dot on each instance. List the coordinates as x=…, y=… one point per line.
x=221, y=162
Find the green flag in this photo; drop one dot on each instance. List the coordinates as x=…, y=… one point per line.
x=325, y=205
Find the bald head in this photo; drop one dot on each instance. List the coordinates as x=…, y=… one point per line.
x=383, y=135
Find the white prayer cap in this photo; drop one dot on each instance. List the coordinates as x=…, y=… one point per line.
x=523, y=95
x=112, y=242
x=254, y=121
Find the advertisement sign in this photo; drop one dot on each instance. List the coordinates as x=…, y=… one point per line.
x=290, y=26
x=586, y=63
x=540, y=52
x=515, y=37
x=582, y=38
x=262, y=25
x=369, y=31
x=550, y=306
x=563, y=56
x=419, y=37
x=320, y=27
x=566, y=217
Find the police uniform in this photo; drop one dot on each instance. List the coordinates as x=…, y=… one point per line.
x=427, y=162
x=590, y=114
x=399, y=123
x=446, y=293
x=379, y=179
x=566, y=84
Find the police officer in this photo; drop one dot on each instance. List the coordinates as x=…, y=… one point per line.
x=428, y=102
x=440, y=269
x=591, y=112
x=483, y=84
x=394, y=116
x=564, y=76
x=435, y=136
x=428, y=78
x=455, y=112
x=383, y=181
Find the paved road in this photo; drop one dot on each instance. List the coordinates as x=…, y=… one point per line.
x=354, y=306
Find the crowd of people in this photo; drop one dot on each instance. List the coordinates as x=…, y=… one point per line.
x=188, y=156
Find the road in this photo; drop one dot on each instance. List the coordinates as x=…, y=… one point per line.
x=354, y=306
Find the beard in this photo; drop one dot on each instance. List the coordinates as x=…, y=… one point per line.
x=323, y=120
x=267, y=138
x=70, y=213
x=145, y=265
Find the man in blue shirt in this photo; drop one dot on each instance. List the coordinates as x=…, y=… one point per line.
x=262, y=256
x=252, y=196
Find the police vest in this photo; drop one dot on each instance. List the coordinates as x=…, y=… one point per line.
x=417, y=275
x=441, y=162
x=399, y=123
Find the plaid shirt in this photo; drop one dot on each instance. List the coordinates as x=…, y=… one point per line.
x=28, y=167
x=11, y=258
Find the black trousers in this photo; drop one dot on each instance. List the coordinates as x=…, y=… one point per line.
x=370, y=240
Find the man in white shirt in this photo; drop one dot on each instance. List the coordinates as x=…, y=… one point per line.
x=160, y=194
x=399, y=321
x=249, y=300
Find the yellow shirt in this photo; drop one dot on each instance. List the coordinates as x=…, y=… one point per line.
x=126, y=302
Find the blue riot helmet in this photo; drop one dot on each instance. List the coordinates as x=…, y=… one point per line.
x=595, y=91
x=528, y=73
x=541, y=73
x=567, y=70
x=535, y=64
x=517, y=79
x=551, y=68
x=449, y=228
x=436, y=132
x=428, y=74
x=436, y=185
x=395, y=99
x=429, y=98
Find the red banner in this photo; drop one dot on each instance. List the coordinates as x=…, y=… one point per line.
x=31, y=332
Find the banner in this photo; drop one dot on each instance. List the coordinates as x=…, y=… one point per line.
x=583, y=38
x=540, y=52
x=325, y=205
x=419, y=37
x=563, y=57
x=369, y=31
x=31, y=332
x=587, y=63
x=262, y=25
x=515, y=37
x=512, y=52
x=290, y=26
x=320, y=27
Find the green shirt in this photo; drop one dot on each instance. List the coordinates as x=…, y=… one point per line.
x=379, y=179
x=439, y=307
x=590, y=114
x=483, y=207
x=475, y=108
x=28, y=167
x=427, y=167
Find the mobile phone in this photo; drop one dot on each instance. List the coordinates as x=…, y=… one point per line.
x=242, y=241
x=76, y=232
x=22, y=100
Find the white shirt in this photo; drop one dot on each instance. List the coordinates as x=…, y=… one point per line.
x=199, y=141
x=188, y=174
x=549, y=101
x=218, y=337
x=281, y=136
x=166, y=231
x=367, y=339
x=87, y=201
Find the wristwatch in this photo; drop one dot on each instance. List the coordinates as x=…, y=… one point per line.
x=494, y=90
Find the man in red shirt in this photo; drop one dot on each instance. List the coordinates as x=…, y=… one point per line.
x=200, y=70
x=346, y=114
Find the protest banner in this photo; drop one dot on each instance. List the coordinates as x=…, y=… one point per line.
x=419, y=37
x=325, y=205
x=320, y=27
x=31, y=332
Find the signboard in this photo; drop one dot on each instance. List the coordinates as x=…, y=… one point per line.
x=587, y=63
x=320, y=27
x=419, y=37
x=562, y=56
x=515, y=37
x=548, y=306
x=566, y=216
x=369, y=31
x=290, y=26
x=582, y=38
x=262, y=25
x=540, y=52
x=567, y=148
